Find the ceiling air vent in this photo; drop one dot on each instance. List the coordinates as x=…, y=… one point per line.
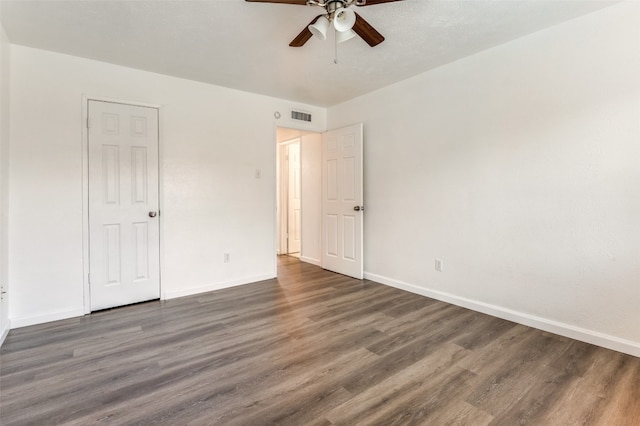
x=301, y=116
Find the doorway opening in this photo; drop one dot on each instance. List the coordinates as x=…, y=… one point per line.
x=299, y=194
x=290, y=233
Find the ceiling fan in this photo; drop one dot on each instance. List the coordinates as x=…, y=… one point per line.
x=339, y=13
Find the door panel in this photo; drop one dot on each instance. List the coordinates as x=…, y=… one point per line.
x=342, y=191
x=139, y=175
x=124, y=243
x=141, y=249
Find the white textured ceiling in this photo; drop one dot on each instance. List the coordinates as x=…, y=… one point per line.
x=244, y=45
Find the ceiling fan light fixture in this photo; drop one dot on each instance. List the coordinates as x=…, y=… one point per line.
x=344, y=19
x=343, y=36
x=319, y=29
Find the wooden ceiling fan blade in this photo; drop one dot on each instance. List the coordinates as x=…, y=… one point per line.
x=367, y=32
x=304, y=36
x=374, y=2
x=300, y=2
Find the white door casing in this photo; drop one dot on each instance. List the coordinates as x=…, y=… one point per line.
x=124, y=240
x=342, y=194
x=293, y=198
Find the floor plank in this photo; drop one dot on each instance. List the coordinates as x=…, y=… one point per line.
x=310, y=348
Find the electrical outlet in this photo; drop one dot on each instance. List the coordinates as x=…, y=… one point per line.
x=227, y=257
x=439, y=265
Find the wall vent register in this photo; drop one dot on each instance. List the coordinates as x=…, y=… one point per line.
x=301, y=116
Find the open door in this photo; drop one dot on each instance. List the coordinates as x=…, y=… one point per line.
x=342, y=201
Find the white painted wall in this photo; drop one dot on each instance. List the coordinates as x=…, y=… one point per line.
x=519, y=167
x=212, y=141
x=4, y=181
x=311, y=182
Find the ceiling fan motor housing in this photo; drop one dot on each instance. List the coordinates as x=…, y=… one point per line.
x=333, y=5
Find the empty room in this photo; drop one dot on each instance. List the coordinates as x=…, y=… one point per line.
x=318, y=212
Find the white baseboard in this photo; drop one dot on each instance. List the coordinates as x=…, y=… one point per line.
x=59, y=315
x=5, y=331
x=47, y=317
x=310, y=260
x=567, y=330
x=216, y=286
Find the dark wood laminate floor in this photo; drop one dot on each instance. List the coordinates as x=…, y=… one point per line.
x=311, y=348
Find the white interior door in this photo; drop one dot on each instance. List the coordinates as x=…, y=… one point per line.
x=342, y=201
x=293, y=198
x=124, y=243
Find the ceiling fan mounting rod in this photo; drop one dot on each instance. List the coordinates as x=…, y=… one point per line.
x=343, y=3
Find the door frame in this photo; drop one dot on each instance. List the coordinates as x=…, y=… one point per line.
x=85, y=189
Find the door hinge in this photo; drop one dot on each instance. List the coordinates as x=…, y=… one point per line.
x=88, y=123
x=89, y=278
